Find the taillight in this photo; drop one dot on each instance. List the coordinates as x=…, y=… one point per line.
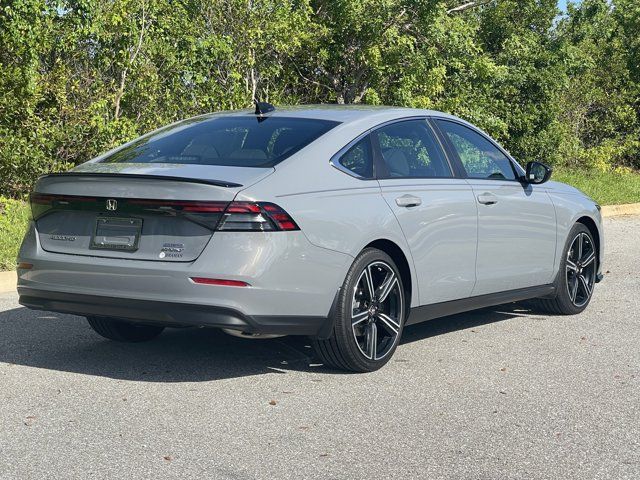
x=179, y=205
x=256, y=217
x=216, y=215
x=42, y=203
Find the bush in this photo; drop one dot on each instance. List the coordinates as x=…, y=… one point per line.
x=14, y=216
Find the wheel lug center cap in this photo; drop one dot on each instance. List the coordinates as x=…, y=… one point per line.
x=373, y=310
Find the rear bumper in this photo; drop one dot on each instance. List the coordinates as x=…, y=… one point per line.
x=170, y=313
x=292, y=284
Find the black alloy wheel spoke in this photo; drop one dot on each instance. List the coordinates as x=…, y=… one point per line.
x=377, y=310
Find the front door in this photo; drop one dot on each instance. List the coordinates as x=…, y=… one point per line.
x=437, y=213
x=516, y=222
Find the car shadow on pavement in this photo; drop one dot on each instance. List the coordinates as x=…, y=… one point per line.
x=463, y=321
x=66, y=343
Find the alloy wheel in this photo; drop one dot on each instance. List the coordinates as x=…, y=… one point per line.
x=581, y=269
x=377, y=310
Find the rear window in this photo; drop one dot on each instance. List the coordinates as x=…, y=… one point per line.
x=228, y=140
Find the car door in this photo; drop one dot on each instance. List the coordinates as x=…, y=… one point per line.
x=516, y=221
x=436, y=211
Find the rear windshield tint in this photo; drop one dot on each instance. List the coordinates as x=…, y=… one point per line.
x=226, y=140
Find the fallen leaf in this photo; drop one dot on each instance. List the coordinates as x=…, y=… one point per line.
x=503, y=392
x=324, y=454
x=168, y=458
x=29, y=420
x=272, y=402
x=503, y=369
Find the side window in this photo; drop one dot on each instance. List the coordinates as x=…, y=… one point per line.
x=480, y=158
x=409, y=149
x=359, y=159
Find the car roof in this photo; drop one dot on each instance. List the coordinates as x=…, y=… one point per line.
x=345, y=113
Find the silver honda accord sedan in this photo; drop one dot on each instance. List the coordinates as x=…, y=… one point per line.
x=345, y=224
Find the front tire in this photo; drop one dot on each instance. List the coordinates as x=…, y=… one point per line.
x=370, y=315
x=577, y=275
x=122, y=331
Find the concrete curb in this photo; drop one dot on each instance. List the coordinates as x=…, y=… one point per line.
x=8, y=282
x=8, y=279
x=617, y=210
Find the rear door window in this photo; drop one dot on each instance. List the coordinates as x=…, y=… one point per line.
x=240, y=141
x=409, y=149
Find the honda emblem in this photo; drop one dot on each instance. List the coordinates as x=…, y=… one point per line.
x=112, y=205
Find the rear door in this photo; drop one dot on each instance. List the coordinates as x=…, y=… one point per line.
x=516, y=222
x=436, y=211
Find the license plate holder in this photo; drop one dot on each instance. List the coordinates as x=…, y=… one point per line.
x=116, y=233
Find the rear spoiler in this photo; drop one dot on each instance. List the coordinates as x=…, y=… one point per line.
x=217, y=183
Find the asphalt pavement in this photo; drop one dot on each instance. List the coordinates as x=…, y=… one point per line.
x=503, y=393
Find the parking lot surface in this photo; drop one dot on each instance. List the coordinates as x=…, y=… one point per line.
x=503, y=393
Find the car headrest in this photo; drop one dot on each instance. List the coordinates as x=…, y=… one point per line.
x=397, y=162
x=287, y=140
x=201, y=147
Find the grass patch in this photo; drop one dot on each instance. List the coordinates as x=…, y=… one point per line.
x=606, y=188
x=14, y=216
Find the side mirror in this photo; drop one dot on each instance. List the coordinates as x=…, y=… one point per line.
x=537, y=173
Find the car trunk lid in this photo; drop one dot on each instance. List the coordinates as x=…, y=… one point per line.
x=139, y=212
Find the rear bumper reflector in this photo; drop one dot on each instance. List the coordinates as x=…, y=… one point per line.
x=219, y=282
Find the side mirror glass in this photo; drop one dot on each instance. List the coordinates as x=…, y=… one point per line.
x=537, y=173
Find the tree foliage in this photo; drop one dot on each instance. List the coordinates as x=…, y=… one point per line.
x=78, y=77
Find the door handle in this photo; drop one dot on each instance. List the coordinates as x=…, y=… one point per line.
x=408, y=201
x=487, y=198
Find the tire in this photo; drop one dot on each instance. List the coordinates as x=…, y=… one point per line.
x=577, y=275
x=376, y=323
x=123, y=331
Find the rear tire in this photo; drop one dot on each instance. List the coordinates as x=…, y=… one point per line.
x=577, y=275
x=123, y=331
x=367, y=327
